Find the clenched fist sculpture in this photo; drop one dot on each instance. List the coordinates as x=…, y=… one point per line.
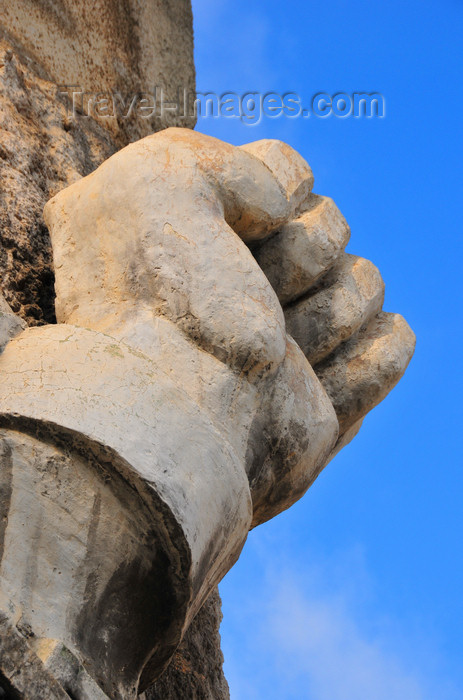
x=215, y=347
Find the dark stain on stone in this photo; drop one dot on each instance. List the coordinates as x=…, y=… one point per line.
x=6, y=478
x=135, y=623
x=7, y=692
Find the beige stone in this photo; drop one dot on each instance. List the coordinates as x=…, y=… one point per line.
x=107, y=46
x=170, y=398
x=153, y=286
x=291, y=170
x=42, y=152
x=304, y=249
x=347, y=300
x=187, y=193
x=119, y=417
x=367, y=367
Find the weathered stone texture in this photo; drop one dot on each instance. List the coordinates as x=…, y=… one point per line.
x=10, y=324
x=171, y=399
x=109, y=46
x=189, y=412
x=302, y=250
x=135, y=264
x=351, y=294
x=367, y=367
x=41, y=151
x=22, y=674
x=195, y=672
x=117, y=585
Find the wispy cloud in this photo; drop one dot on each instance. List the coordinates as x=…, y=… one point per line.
x=321, y=645
x=319, y=634
x=242, y=65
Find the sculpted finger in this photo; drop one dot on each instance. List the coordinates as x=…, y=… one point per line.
x=304, y=249
x=351, y=295
x=287, y=165
x=365, y=369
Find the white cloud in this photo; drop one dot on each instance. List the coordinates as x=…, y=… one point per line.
x=319, y=634
x=321, y=643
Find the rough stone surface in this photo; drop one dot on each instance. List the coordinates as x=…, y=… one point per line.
x=21, y=672
x=40, y=153
x=291, y=170
x=156, y=400
x=150, y=347
x=150, y=285
x=43, y=150
x=195, y=672
x=109, y=46
x=191, y=504
x=367, y=367
x=304, y=249
x=349, y=297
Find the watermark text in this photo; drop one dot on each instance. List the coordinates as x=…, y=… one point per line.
x=250, y=107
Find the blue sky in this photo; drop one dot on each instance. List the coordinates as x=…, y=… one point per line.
x=356, y=592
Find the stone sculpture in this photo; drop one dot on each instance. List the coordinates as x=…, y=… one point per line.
x=104, y=557
x=170, y=409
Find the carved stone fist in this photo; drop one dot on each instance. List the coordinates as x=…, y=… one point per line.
x=181, y=244
x=216, y=347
